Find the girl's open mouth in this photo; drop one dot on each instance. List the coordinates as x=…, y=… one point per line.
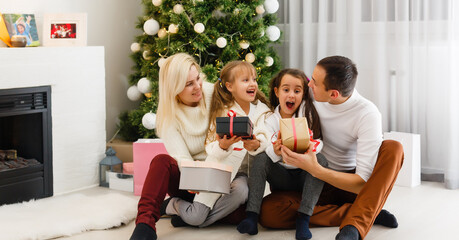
x=290, y=104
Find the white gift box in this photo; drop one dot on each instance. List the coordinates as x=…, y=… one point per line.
x=205, y=176
x=410, y=174
x=121, y=181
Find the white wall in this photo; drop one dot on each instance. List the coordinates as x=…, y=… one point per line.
x=111, y=23
x=77, y=79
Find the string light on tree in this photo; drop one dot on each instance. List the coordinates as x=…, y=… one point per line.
x=151, y=26
x=178, y=9
x=149, y=120
x=271, y=6
x=144, y=85
x=199, y=28
x=133, y=93
x=173, y=28
x=250, y=57
x=244, y=44
x=221, y=42
x=273, y=33
x=157, y=2
x=135, y=47
x=269, y=61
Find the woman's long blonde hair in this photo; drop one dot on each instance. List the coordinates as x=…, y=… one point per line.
x=222, y=99
x=173, y=76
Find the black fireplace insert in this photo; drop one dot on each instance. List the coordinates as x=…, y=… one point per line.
x=26, y=170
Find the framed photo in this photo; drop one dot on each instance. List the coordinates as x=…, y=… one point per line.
x=69, y=29
x=23, y=25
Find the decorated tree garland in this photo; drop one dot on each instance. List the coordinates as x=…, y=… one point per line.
x=213, y=31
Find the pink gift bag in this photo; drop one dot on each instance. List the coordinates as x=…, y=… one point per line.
x=144, y=150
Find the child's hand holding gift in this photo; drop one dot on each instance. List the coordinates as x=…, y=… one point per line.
x=277, y=145
x=251, y=144
x=225, y=143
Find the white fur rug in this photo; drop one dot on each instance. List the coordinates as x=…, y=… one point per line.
x=65, y=215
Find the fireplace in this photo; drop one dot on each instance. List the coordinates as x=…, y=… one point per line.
x=25, y=144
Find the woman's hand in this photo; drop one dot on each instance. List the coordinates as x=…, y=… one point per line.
x=251, y=144
x=225, y=143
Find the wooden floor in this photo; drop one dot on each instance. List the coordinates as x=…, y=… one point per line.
x=428, y=211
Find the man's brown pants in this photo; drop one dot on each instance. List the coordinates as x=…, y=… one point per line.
x=337, y=207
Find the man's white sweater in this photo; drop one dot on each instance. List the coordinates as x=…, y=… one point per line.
x=351, y=133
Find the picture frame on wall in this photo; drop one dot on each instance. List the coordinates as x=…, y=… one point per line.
x=65, y=29
x=19, y=26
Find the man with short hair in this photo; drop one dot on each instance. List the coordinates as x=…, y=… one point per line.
x=362, y=168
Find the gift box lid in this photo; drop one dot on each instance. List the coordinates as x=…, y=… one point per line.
x=149, y=140
x=242, y=119
x=201, y=164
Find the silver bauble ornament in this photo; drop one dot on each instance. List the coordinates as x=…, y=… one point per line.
x=269, y=61
x=221, y=42
x=199, y=28
x=271, y=6
x=157, y=2
x=149, y=121
x=133, y=93
x=144, y=85
x=135, y=47
x=273, y=33
x=244, y=44
x=178, y=8
x=151, y=27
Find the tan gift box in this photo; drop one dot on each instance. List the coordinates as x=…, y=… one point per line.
x=202, y=176
x=295, y=134
x=122, y=148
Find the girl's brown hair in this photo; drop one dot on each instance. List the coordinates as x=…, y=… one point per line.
x=222, y=98
x=310, y=111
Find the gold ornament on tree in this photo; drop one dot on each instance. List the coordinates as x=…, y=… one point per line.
x=250, y=57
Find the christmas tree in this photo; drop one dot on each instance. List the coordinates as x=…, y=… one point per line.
x=215, y=32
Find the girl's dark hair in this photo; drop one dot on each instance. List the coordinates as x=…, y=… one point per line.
x=310, y=111
x=341, y=74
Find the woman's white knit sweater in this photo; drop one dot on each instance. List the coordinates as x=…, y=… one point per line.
x=185, y=137
x=238, y=159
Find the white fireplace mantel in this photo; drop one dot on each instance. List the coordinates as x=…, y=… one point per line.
x=77, y=79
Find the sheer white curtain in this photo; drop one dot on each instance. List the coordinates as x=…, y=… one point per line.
x=406, y=53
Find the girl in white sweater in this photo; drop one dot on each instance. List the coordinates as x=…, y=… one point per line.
x=290, y=94
x=236, y=90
